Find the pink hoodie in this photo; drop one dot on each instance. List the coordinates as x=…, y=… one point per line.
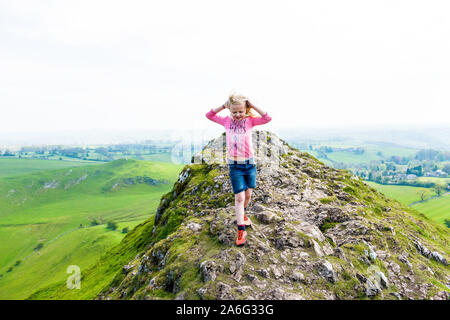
x=239, y=133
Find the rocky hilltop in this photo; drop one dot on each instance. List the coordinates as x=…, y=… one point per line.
x=318, y=233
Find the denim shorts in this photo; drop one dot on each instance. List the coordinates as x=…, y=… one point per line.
x=242, y=175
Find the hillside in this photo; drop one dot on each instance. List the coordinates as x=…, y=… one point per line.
x=318, y=233
x=15, y=167
x=55, y=218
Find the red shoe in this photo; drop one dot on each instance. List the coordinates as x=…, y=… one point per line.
x=242, y=235
x=247, y=221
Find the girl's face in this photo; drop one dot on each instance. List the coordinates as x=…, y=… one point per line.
x=237, y=111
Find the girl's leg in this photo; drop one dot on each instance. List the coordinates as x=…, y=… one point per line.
x=239, y=199
x=248, y=195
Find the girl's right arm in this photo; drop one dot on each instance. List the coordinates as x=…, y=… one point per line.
x=211, y=115
x=219, y=108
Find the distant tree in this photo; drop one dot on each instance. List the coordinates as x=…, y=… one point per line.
x=423, y=194
x=385, y=180
x=447, y=223
x=102, y=151
x=39, y=246
x=390, y=166
x=325, y=149
x=405, y=160
x=446, y=168
x=125, y=230
x=418, y=170
x=396, y=159
x=8, y=153
x=17, y=263
x=111, y=225
x=94, y=222
x=359, y=150
x=439, y=189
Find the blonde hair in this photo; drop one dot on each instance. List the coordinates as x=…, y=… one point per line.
x=237, y=99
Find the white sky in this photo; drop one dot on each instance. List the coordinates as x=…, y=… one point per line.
x=68, y=65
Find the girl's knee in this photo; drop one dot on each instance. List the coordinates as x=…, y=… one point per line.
x=240, y=197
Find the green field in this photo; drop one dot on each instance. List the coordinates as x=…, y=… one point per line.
x=403, y=194
x=370, y=152
x=350, y=157
x=434, y=180
x=102, y=272
x=50, y=160
x=161, y=157
x=48, y=208
x=14, y=167
x=391, y=151
x=435, y=208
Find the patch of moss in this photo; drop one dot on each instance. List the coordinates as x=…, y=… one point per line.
x=163, y=294
x=327, y=200
x=174, y=218
x=305, y=238
x=327, y=225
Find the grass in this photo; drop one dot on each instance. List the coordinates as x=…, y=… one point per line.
x=403, y=194
x=101, y=273
x=32, y=215
x=370, y=154
x=437, y=209
x=14, y=167
x=161, y=157
x=350, y=157
x=81, y=247
x=434, y=180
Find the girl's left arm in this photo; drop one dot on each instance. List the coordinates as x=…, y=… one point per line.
x=265, y=118
x=262, y=113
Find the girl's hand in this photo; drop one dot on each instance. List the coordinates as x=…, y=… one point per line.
x=250, y=104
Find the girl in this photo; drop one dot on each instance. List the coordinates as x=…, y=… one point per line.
x=241, y=164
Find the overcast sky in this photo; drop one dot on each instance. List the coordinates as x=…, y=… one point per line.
x=68, y=65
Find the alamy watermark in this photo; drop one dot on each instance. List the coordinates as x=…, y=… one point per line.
x=189, y=147
x=73, y=281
